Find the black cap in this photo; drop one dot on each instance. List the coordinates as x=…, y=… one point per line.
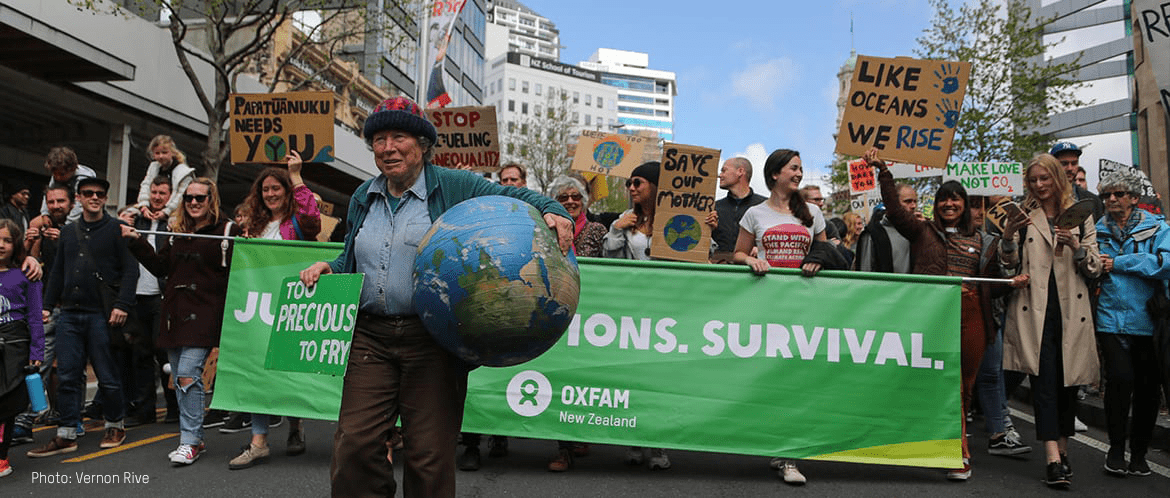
x=93, y=181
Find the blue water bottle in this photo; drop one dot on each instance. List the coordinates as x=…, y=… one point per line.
x=36, y=392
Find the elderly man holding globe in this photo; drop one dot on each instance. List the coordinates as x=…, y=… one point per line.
x=395, y=367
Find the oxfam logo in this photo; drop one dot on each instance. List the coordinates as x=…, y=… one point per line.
x=608, y=154
x=529, y=393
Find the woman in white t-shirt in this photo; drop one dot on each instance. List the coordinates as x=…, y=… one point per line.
x=784, y=227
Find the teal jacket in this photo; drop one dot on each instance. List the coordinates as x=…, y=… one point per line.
x=1141, y=264
x=445, y=189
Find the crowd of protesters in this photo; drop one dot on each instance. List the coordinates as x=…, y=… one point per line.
x=160, y=272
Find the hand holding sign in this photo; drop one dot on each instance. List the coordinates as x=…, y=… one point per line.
x=1074, y=216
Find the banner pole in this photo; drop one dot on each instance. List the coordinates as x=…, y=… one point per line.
x=981, y=280
x=195, y=235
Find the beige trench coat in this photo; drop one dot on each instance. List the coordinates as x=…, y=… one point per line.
x=1027, y=306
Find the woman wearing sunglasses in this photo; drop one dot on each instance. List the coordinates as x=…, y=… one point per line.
x=629, y=235
x=587, y=235
x=196, y=272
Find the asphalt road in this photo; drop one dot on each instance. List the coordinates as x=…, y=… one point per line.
x=140, y=468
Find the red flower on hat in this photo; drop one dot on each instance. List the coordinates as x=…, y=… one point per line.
x=399, y=104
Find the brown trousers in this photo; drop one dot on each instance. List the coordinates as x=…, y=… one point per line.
x=396, y=369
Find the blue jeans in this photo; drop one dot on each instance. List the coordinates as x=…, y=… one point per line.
x=188, y=363
x=82, y=334
x=989, y=385
x=260, y=423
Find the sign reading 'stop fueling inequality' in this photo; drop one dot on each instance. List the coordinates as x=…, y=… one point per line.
x=906, y=108
x=266, y=126
x=609, y=154
x=467, y=138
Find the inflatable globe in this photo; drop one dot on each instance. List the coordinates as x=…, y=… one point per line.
x=682, y=233
x=491, y=284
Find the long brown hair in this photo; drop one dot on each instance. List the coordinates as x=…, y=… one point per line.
x=258, y=213
x=185, y=224
x=17, y=243
x=796, y=203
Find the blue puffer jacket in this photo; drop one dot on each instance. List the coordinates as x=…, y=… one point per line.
x=1141, y=264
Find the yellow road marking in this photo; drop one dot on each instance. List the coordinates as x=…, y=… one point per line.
x=160, y=412
x=123, y=447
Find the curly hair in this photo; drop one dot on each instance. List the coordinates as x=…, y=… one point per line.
x=259, y=216
x=168, y=142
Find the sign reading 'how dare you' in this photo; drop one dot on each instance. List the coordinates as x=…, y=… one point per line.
x=266, y=126
x=907, y=108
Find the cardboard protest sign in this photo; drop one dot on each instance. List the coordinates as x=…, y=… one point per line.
x=1107, y=168
x=988, y=178
x=266, y=126
x=1075, y=215
x=861, y=177
x=314, y=326
x=904, y=170
x=863, y=204
x=907, y=108
x=467, y=137
x=608, y=153
x=998, y=214
x=686, y=193
x=1152, y=43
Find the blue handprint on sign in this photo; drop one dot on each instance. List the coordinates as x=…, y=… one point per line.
x=949, y=78
x=949, y=112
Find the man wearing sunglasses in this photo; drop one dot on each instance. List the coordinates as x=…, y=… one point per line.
x=95, y=260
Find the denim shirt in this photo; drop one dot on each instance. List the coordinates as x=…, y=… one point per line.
x=386, y=245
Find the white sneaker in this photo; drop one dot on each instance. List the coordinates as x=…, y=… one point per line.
x=634, y=456
x=1078, y=425
x=960, y=474
x=658, y=459
x=776, y=464
x=791, y=474
x=186, y=454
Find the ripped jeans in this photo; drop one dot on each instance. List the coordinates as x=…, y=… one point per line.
x=187, y=362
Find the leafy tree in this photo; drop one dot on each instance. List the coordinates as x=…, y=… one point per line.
x=235, y=36
x=540, y=141
x=1012, y=89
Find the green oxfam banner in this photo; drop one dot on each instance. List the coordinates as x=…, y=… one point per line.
x=844, y=366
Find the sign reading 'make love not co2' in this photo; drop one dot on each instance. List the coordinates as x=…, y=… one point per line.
x=906, y=108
